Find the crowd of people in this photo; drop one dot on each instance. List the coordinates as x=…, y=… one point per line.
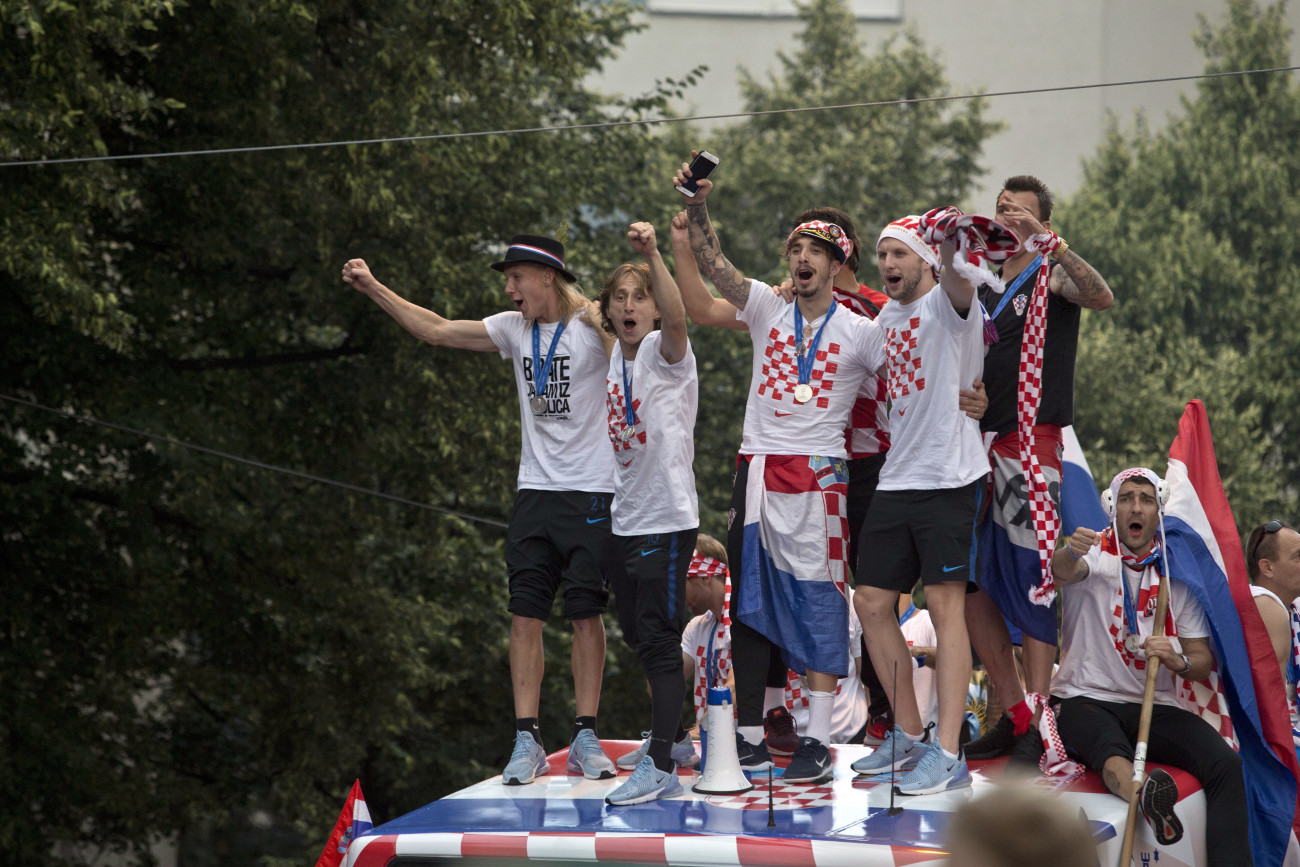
x=905, y=437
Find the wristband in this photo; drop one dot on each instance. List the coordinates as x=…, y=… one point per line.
x=1073, y=556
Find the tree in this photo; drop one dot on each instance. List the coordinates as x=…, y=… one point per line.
x=1192, y=228
x=188, y=639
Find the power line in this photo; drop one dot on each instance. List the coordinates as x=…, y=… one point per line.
x=628, y=123
x=250, y=462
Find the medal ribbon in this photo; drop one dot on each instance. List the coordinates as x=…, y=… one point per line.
x=805, y=359
x=542, y=372
x=628, y=412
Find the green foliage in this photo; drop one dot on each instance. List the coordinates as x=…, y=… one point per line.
x=191, y=641
x=1193, y=228
x=188, y=640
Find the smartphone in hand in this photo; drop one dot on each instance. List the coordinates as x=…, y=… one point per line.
x=701, y=167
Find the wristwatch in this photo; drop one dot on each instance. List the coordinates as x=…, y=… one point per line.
x=1187, y=664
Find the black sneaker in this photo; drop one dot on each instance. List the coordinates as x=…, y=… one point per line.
x=997, y=742
x=811, y=763
x=753, y=757
x=1026, y=751
x=1158, y=797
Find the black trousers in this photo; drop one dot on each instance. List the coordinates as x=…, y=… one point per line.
x=1094, y=731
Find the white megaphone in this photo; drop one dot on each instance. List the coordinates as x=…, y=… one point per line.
x=720, y=772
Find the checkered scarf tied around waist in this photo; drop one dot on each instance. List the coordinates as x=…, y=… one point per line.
x=981, y=242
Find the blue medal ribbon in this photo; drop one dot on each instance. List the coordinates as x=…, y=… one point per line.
x=542, y=371
x=628, y=412
x=1130, y=610
x=805, y=359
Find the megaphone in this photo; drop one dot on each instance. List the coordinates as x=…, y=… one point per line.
x=720, y=772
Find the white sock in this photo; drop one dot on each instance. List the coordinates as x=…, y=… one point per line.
x=773, y=697
x=751, y=734
x=952, y=757
x=820, y=705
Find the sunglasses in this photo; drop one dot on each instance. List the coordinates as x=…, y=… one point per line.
x=1271, y=527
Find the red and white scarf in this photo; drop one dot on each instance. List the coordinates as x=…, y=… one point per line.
x=711, y=567
x=1029, y=392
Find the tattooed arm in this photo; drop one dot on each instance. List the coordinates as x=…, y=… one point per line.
x=731, y=284
x=1078, y=282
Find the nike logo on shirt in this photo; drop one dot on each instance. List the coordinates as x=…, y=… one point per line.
x=954, y=568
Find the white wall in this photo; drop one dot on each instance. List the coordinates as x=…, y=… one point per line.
x=991, y=46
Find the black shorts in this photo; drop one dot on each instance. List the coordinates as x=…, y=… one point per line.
x=650, y=596
x=918, y=534
x=559, y=536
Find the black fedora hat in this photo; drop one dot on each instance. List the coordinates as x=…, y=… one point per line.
x=537, y=250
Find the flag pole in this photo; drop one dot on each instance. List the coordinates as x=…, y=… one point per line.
x=1144, y=725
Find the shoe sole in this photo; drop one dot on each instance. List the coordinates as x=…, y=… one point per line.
x=821, y=778
x=1159, y=796
x=904, y=765
x=520, y=781
x=960, y=781
x=598, y=775
x=681, y=763
x=618, y=763
x=656, y=795
x=779, y=752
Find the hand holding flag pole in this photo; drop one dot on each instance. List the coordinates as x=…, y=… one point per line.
x=1144, y=726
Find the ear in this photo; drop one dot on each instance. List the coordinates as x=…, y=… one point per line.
x=1047, y=224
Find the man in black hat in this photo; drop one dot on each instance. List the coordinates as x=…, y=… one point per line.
x=560, y=524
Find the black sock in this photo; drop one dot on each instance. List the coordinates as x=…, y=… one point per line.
x=580, y=723
x=529, y=724
x=666, y=692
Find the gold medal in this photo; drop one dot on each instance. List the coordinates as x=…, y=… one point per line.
x=803, y=392
x=537, y=405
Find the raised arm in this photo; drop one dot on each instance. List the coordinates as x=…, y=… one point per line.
x=672, y=315
x=1076, y=281
x=424, y=324
x=1079, y=282
x=702, y=306
x=732, y=285
x=1068, y=566
x=958, y=289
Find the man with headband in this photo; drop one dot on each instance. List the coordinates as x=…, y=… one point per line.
x=1029, y=372
x=559, y=528
x=788, y=537
x=922, y=517
x=1109, y=583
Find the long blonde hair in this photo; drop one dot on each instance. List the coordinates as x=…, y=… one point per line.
x=568, y=297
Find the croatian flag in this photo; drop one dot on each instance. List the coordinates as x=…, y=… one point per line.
x=354, y=820
x=792, y=574
x=1080, y=501
x=1205, y=553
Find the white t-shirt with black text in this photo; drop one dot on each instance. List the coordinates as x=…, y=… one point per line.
x=565, y=448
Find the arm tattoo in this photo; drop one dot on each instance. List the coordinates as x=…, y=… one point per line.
x=732, y=285
x=1081, y=284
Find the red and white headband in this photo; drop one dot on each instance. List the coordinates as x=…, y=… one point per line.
x=828, y=232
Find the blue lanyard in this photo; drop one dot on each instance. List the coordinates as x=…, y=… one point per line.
x=542, y=372
x=1017, y=283
x=628, y=412
x=1130, y=610
x=907, y=615
x=805, y=360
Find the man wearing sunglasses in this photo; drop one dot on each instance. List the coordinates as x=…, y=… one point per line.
x=1273, y=563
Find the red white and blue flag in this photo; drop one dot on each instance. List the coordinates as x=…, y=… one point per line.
x=792, y=577
x=1080, y=501
x=1204, y=552
x=354, y=820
